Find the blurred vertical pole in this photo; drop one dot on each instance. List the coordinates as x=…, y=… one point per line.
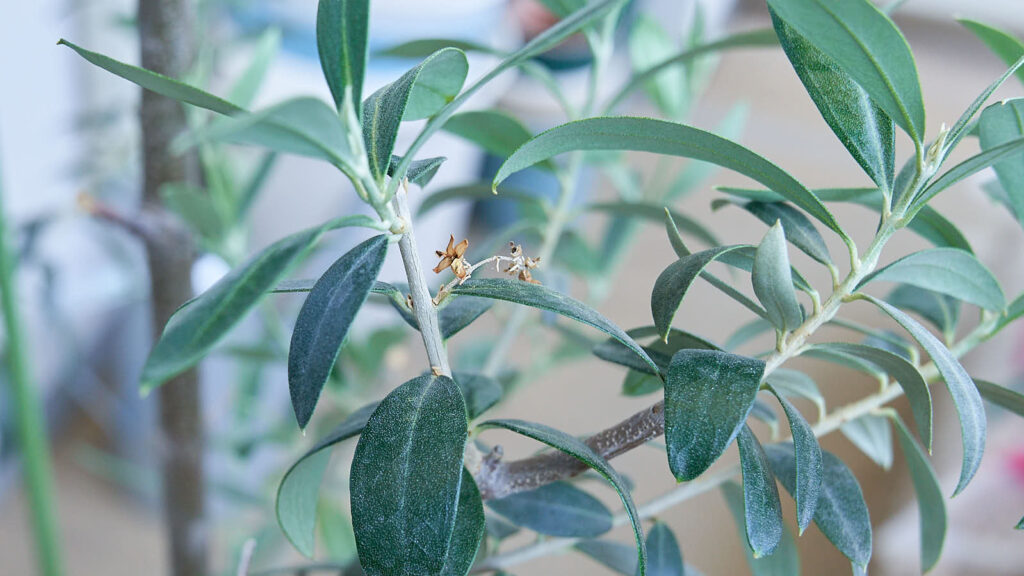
x=166, y=40
x=29, y=415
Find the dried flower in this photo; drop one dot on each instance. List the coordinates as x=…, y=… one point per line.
x=452, y=258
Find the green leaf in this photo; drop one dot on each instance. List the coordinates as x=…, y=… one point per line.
x=417, y=94
x=872, y=435
x=406, y=476
x=961, y=388
x=747, y=332
x=649, y=44
x=660, y=351
x=1006, y=46
x=556, y=509
x=931, y=506
x=245, y=88
x=941, y=310
x=547, y=39
x=199, y=324
x=656, y=213
x=947, y=271
x=1001, y=396
x=197, y=208
x=420, y=172
x=963, y=125
x=495, y=131
x=929, y=223
x=648, y=135
x=798, y=228
x=762, y=510
x=866, y=45
x=808, y=463
x=423, y=47
x=863, y=128
x=303, y=126
x=673, y=283
x=664, y=557
x=906, y=374
x=773, y=282
x=1008, y=150
x=158, y=83
x=1020, y=525
x=469, y=529
x=841, y=515
x=751, y=39
x=544, y=298
x=785, y=561
x=708, y=394
x=341, y=40
x=324, y=320
x=479, y=392
x=639, y=383
x=1001, y=123
x=298, y=493
x=577, y=449
x=615, y=556
x=796, y=384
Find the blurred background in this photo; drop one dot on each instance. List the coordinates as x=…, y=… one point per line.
x=69, y=131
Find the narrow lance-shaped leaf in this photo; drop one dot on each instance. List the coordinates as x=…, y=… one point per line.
x=1006, y=46
x=384, y=110
x=808, y=463
x=557, y=509
x=842, y=514
x=496, y=132
x=773, y=281
x=941, y=310
x=964, y=124
x=303, y=126
x=1001, y=123
x=406, y=476
x=200, y=323
x=785, y=561
x=929, y=223
x=324, y=320
x=863, y=128
x=865, y=44
x=1006, y=151
x=1001, y=396
x=299, y=491
x=577, y=449
x=946, y=271
x=872, y=436
x=708, y=394
x=544, y=298
x=961, y=388
x=648, y=135
x=547, y=39
x=341, y=30
x=420, y=172
x=469, y=529
x=158, y=83
x=762, y=510
x=673, y=283
x=931, y=505
x=906, y=374
x=664, y=557
x=798, y=228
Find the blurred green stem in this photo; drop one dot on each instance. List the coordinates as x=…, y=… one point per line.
x=29, y=417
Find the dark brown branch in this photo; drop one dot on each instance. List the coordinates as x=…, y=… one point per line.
x=166, y=44
x=498, y=478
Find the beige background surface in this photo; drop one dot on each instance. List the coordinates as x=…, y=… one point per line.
x=111, y=535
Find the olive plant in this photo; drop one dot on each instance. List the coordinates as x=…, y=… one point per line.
x=424, y=464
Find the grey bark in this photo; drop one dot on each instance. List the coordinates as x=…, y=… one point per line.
x=166, y=41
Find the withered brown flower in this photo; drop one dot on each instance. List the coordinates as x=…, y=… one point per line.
x=452, y=258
